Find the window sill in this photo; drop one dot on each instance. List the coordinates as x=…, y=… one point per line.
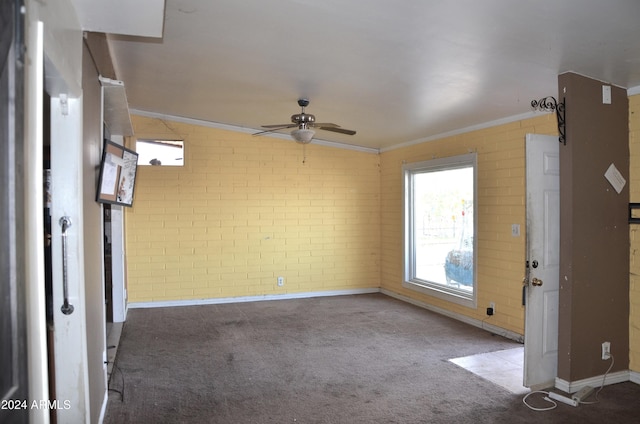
x=469, y=302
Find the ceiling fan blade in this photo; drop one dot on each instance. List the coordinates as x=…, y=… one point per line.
x=325, y=124
x=338, y=130
x=274, y=128
x=279, y=126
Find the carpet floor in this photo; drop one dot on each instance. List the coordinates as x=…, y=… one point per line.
x=343, y=359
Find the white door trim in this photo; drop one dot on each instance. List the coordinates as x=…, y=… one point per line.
x=34, y=222
x=70, y=342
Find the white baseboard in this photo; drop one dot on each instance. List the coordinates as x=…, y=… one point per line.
x=634, y=377
x=471, y=321
x=597, y=381
x=242, y=299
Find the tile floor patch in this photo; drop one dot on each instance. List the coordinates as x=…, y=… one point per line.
x=503, y=367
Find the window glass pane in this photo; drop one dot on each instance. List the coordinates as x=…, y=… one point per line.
x=443, y=227
x=160, y=152
x=440, y=228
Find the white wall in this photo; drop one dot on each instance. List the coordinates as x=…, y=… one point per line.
x=62, y=45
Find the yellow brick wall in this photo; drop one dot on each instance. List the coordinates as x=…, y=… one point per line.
x=634, y=234
x=501, y=202
x=245, y=210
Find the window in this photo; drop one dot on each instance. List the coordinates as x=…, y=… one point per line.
x=160, y=152
x=440, y=223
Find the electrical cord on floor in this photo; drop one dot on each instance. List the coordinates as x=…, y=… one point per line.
x=604, y=378
x=554, y=404
x=546, y=397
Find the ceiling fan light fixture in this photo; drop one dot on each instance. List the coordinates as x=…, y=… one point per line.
x=302, y=135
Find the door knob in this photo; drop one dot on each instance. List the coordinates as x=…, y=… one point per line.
x=536, y=282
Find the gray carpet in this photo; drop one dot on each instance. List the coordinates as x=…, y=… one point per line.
x=346, y=359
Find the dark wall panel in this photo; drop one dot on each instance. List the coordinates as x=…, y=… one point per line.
x=594, y=235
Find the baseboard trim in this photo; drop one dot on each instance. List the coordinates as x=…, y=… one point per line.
x=243, y=299
x=597, y=381
x=634, y=377
x=467, y=320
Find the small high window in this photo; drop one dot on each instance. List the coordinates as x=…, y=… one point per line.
x=160, y=152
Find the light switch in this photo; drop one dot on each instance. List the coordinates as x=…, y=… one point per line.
x=515, y=230
x=606, y=94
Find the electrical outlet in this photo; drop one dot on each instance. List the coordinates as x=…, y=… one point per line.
x=606, y=350
x=280, y=281
x=491, y=309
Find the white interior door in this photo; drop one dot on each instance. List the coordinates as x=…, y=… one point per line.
x=543, y=252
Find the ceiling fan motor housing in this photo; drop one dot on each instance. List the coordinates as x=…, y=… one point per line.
x=304, y=122
x=303, y=118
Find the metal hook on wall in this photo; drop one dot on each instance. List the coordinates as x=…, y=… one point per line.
x=550, y=104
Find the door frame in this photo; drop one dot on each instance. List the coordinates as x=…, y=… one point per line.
x=34, y=199
x=118, y=268
x=70, y=341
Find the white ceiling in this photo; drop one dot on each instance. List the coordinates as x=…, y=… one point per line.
x=140, y=17
x=397, y=72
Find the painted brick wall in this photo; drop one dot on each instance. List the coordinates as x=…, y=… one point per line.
x=634, y=234
x=245, y=210
x=501, y=202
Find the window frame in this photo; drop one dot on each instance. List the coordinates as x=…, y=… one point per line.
x=164, y=142
x=410, y=280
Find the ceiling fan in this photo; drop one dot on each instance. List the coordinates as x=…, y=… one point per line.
x=303, y=124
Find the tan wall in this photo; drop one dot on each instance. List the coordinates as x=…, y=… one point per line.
x=245, y=210
x=634, y=234
x=501, y=202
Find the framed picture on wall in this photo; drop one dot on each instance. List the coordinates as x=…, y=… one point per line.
x=117, y=175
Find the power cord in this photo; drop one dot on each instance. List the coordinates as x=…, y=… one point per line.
x=546, y=397
x=604, y=378
x=555, y=405
x=483, y=321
